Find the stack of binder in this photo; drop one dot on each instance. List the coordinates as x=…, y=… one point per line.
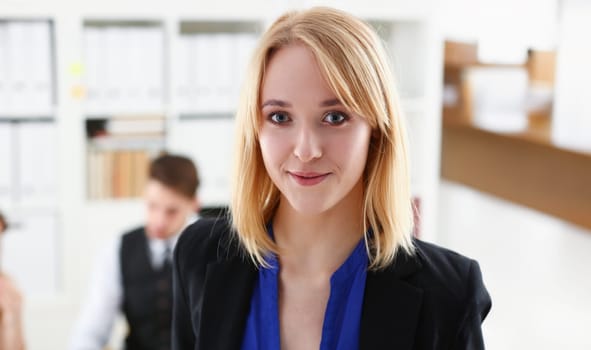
x=26, y=71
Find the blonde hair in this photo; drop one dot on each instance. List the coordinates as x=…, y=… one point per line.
x=355, y=66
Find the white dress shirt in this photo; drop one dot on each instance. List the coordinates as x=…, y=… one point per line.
x=93, y=328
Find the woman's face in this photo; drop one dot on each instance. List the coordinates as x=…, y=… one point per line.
x=313, y=148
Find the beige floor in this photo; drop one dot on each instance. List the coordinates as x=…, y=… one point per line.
x=537, y=269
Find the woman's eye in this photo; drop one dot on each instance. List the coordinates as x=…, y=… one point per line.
x=335, y=118
x=279, y=118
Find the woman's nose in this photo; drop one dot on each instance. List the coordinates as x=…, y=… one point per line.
x=308, y=144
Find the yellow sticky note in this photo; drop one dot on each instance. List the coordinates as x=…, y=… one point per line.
x=76, y=69
x=78, y=92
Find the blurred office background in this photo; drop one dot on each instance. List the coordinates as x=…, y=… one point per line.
x=495, y=94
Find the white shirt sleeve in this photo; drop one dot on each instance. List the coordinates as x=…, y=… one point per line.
x=94, y=326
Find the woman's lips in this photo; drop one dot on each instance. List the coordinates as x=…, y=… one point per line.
x=308, y=178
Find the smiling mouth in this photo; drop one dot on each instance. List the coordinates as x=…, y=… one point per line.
x=308, y=179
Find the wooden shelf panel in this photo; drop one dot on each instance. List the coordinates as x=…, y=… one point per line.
x=525, y=168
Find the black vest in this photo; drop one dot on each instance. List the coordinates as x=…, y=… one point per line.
x=147, y=295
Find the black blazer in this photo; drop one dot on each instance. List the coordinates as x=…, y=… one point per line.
x=433, y=300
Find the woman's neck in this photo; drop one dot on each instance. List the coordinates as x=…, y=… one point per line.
x=320, y=243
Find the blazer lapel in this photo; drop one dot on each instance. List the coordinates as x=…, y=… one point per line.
x=391, y=307
x=226, y=302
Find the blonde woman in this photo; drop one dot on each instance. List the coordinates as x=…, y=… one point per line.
x=318, y=253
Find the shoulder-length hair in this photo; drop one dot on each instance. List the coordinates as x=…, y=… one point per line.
x=355, y=66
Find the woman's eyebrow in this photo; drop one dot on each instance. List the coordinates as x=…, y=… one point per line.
x=279, y=103
x=330, y=103
x=274, y=102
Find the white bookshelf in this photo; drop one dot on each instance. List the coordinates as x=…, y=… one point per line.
x=28, y=146
x=83, y=226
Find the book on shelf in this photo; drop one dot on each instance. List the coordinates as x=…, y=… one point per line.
x=37, y=161
x=129, y=126
x=6, y=167
x=119, y=153
x=210, y=68
x=114, y=133
x=117, y=173
x=28, y=158
x=26, y=67
x=124, y=67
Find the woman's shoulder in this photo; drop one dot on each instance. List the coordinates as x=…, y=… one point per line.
x=450, y=276
x=206, y=240
x=441, y=259
x=444, y=290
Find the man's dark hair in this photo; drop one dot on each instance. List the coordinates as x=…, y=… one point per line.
x=177, y=173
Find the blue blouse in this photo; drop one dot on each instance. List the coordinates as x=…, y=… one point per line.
x=342, y=318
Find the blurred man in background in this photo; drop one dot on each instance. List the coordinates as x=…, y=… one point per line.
x=135, y=276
